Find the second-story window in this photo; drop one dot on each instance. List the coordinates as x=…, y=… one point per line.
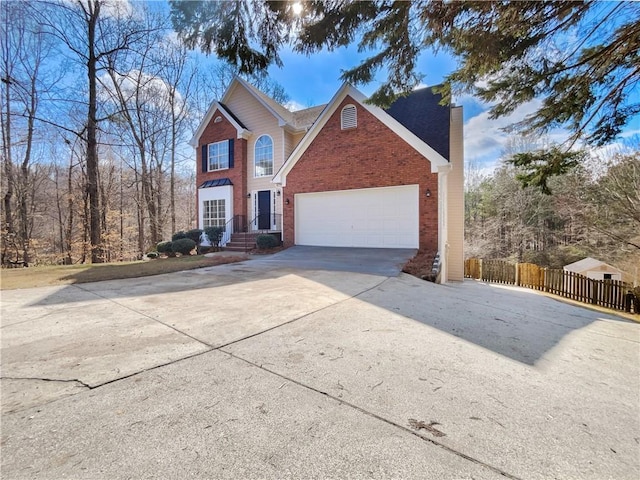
x=264, y=156
x=219, y=155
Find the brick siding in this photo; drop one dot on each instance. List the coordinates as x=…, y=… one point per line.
x=217, y=132
x=370, y=155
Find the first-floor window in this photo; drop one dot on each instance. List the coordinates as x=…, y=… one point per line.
x=213, y=214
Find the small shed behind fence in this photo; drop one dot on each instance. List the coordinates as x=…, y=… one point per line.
x=595, y=269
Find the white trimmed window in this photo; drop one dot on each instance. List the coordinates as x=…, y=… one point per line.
x=264, y=156
x=219, y=155
x=213, y=214
x=348, y=117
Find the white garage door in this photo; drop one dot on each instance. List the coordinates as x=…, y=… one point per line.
x=373, y=217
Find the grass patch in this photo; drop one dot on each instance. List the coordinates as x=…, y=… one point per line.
x=68, y=274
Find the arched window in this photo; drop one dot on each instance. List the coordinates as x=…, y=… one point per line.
x=348, y=117
x=264, y=156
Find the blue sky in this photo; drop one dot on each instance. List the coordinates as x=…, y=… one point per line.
x=313, y=80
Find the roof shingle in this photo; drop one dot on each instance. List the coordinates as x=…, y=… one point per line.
x=421, y=113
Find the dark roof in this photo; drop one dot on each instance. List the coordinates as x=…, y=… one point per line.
x=218, y=182
x=421, y=113
x=226, y=109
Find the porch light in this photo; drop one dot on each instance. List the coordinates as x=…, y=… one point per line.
x=428, y=193
x=248, y=195
x=286, y=201
x=278, y=192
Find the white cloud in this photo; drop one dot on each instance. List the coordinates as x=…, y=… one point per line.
x=153, y=91
x=293, y=106
x=109, y=8
x=485, y=139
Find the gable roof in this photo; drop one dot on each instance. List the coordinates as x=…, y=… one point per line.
x=232, y=115
x=435, y=158
x=304, y=118
x=299, y=120
x=588, y=263
x=243, y=132
x=421, y=113
x=282, y=114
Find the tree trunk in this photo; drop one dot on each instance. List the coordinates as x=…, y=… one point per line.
x=69, y=241
x=95, y=230
x=8, y=162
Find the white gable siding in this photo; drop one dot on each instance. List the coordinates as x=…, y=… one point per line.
x=259, y=121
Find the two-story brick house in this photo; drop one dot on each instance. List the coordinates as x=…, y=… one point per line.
x=345, y=174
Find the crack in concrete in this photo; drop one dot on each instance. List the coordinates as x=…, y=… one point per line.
x=211, y=347
x=288, y=379
x=144, y=315
x=381, y=418
x=155, y=367
x=246, y=337
x=73, y=380
x=288, y=322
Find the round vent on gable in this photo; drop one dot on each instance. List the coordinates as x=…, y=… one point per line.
x=348, y=117
x=217, y=119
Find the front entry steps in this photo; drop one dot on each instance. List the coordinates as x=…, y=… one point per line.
x=241, y=242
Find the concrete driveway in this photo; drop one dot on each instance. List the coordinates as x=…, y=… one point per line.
x=267, y=370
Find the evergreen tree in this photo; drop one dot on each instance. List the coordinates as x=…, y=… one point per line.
x=580, y=59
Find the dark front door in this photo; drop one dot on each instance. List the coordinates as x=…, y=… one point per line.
x=264, y=210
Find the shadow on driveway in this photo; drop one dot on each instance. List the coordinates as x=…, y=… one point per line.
x=513, y=322
x=517, y=323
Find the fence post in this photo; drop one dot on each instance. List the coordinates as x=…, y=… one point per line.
x=594, y=291
x=517, y=274
x=479, y=269
x=628, y=300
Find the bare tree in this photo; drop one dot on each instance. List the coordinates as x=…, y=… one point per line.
x=615, y=200
x=24, y=47
x=93, y=31
x=180, y=80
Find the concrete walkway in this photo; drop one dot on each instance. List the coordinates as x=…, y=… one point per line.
x=265, y=370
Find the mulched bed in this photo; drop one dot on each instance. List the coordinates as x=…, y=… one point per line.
x=266, y=251
x=420, y=265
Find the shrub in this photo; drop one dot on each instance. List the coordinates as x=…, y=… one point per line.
x=153, y=254
x=178, y=236
x=164, y=247
x=266, y=241
x=183, y=246
x=193, y=234
x=214, y=234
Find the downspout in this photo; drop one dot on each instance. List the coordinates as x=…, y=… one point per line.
x=443, y=238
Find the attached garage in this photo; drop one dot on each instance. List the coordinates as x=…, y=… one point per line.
x=385, y=217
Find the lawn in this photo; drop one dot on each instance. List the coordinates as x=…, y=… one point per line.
x=11, y=279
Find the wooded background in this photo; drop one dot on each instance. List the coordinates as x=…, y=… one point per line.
x=592, y=211
x=99, y=101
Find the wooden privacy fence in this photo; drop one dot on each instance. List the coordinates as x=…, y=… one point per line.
x=606, y=293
